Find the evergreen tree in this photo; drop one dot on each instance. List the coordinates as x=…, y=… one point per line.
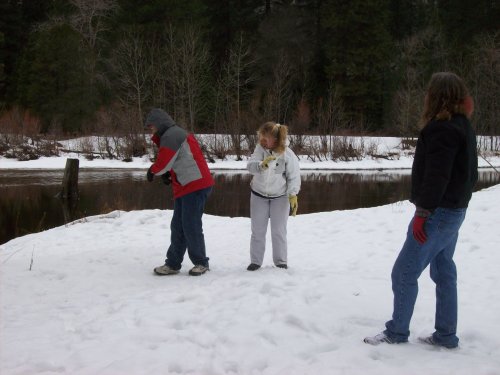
x=407, y=17
x=156, y=16
x=53, y=81
x=2, y=72
x=227, y=19
x=285, y=49
x=462, y=20
x=319, y=80
x=11, y=31
x=357, y=48
x=17, y=19
x=55, y=56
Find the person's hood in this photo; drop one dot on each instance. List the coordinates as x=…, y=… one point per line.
x=160, y=119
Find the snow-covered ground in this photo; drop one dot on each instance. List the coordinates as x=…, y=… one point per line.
x=82, y=298
x=91, y=305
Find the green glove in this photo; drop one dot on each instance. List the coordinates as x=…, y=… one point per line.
x=294, y=204
x=264, y=164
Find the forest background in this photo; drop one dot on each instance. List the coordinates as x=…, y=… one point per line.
x=95, y=67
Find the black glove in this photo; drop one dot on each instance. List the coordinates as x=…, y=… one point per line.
x=150, y=175
x=166, y=178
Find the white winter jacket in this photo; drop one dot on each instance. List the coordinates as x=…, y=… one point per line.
x=282, y=177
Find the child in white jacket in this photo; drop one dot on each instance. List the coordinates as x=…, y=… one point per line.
x=275, y=185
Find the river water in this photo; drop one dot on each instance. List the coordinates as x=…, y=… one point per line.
x=28, y=200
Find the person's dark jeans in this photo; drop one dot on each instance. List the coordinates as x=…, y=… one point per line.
x=187, y=230
x=442, y=232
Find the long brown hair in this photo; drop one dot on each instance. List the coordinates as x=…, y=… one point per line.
x=277, y=131
x=446, y=95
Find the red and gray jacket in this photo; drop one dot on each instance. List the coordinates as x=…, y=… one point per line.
x=180, y=154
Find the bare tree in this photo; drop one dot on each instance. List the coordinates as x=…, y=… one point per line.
x=330, y=111
x=133, y=70
x=160, y=90
x=408, y=98
x=417, y=53
x=331, y=119
x=89, y=19
x=187, y=60
x=278, y=99
x=233, y=86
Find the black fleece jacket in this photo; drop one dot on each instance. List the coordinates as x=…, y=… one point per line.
x=444, y=170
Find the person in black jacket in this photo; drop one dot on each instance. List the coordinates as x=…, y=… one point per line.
x=444, y=173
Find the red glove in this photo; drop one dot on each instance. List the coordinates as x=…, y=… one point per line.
x=418, y=229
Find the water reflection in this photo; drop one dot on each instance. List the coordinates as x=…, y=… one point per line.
x=28, y=203
x=341, y=191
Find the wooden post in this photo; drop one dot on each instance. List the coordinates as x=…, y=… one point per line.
x=69, y=208
x=70, y=180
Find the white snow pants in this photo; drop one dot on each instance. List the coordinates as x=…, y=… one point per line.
x=261, y=210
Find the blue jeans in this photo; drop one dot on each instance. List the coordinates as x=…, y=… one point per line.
x=186, y=230
x=442, y=234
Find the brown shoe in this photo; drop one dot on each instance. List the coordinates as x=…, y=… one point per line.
x=198, y=270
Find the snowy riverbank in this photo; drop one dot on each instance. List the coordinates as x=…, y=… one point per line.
x=390, y=155
x=404, y=162
x=91, y=305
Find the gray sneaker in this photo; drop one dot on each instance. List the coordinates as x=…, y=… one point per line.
x=165, y=270
x=429, y=340
x=198, y=270
x=378, y=339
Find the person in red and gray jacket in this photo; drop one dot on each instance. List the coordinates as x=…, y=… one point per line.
x=180, y=162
